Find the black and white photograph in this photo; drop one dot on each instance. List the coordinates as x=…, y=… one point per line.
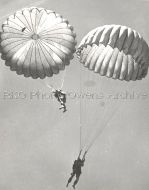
x=74, y=95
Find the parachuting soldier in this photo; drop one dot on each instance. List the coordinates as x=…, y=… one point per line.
x=76, y=169
x=61, y=97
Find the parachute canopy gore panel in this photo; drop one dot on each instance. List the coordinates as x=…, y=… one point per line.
x=115, y=51
x=36, y=42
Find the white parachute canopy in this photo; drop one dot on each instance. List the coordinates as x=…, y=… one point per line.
x=36, y=42
x=115, y=51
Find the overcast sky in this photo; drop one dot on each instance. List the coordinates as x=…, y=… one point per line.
x=38, y=143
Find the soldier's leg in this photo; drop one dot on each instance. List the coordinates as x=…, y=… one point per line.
x=77, y=179
x=70, y=179
x=64, y=108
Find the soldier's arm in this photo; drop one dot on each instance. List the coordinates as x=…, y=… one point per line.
x=84, y=156
x=79, y=154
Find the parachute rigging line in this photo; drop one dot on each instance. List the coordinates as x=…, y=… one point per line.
x=94, y=124
x=63, y=79
x=50, y=86
x=80, y=110
x=104, y=125
x=84, y=146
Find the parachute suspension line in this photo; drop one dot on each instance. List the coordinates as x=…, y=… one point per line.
x=80, y=110
x=91, y=122
x=94, y=124
x=51, y=86
x=104, y=125
x=47, y=85
x=63, y=79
